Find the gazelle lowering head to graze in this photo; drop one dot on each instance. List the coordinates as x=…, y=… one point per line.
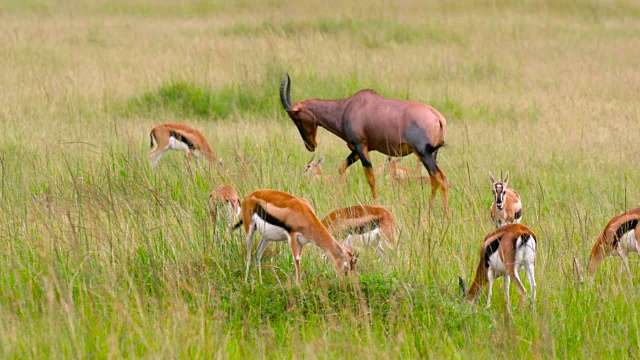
x=619, y=237
x=227, y=197
x=280, y=216
x=173, y=136
x=507, y=206
x=505, y=251
x=373, y=225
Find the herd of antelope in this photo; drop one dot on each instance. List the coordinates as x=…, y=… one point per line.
x=367, y=121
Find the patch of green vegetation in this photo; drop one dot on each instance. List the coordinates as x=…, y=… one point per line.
x=182, y=98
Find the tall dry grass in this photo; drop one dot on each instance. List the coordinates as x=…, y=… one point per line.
x=104, y=257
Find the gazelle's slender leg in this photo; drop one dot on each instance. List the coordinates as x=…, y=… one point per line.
x=296, y=252
x=532, y=282
x=262, y=246
x=507, y=283
x=249, y=240
x=625, y=263
x=512, y=272
x=490, y=285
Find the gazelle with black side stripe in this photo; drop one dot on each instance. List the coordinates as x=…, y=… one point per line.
x=507, y=205
x=373, y=225
x=181, y=137
x=619, y=237
x=280, y=216
x=505, y=251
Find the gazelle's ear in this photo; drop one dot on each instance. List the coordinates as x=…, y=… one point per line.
x=506, y=179
x=491, y=179
x=320, y=160
x=388, y=161
x=348, y=243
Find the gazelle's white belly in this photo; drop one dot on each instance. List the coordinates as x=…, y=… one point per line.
x=628, y=241
x=370, y=237
x=176, y=144
x=270, y=231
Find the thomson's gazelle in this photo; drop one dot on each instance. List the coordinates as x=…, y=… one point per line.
x=505, y=251
x=173, y=136
x=280, y=216
x=619, y=237
x=507, y=206
x=227, y=197
x=373, y=225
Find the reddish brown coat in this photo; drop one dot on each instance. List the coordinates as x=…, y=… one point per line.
x=612, y=241
x=506, y=240
x=192, y=140
x=367, y=121
x=297, y=217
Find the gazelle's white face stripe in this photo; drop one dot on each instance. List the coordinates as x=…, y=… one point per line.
x=499, y=194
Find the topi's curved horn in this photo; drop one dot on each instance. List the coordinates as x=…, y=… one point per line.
x=288, y=90
x=286, y=101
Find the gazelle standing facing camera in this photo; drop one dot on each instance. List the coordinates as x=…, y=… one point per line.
x=507, y=206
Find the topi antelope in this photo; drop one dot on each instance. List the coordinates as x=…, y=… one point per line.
x=507, y=206
x=505, y=251
x=619, y=237
x=280, y=216
x=374, y=225
x=225, y=196
x=366, y=121
x=173, y=136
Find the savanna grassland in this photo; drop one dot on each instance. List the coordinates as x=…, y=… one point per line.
x=104, y=257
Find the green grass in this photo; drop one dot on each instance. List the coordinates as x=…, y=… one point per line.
x=103, y=256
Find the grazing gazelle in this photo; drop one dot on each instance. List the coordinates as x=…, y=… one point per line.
x=280, y=216
x=505, y=251
x=181, y=137
x=619, y=237
x=507, y=206
x=366, y=121
x=373, y=225
x=227, y=197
